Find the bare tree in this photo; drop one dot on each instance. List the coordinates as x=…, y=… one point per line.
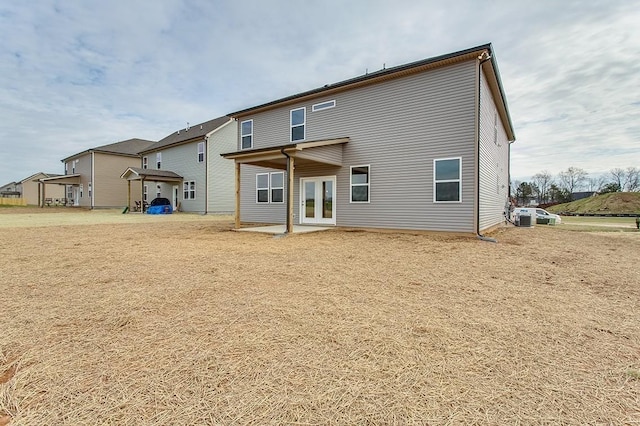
x=618, y=177
x=572, y=179
x=543, y=181
x=595, y=184
x=632, y=179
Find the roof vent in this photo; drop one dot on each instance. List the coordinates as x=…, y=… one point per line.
x=201, y=127
x=187, y=129
x=178, y=131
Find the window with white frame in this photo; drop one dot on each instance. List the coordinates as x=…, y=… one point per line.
x=262, y=188
x=360, y=184
x=158, y=191
x=158, y=160
x=145, y=193
x=89, y=189
x=277, y=187
x=145, y=162
x=270, y=187
x=447, y=180
x=323, y=105
x=298, y=120
x=81, y=191
x=200, y=152
x=246, y=134
x=189, y=190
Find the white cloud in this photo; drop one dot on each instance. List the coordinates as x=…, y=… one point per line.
x=75, y=75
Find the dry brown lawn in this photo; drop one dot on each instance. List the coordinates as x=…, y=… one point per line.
x=176, y=320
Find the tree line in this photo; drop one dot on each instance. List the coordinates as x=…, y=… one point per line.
x=548, y=189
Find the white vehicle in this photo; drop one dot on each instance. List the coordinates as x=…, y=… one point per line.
x=540, y=214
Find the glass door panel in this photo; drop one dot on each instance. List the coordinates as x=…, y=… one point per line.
x=310, y=199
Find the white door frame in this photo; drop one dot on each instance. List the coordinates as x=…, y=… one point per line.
x=317, y=219
x=175, y=191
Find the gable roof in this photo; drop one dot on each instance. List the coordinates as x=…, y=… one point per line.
x=188, y=134
x=128, y=148
x=36, y=176
x=473, y=53
x=137, y=173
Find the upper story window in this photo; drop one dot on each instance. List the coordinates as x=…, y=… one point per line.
x=360, y=184
x=158, y=160
x=447, y=180
x=298, y=120
x=246, y=134
x=200, y=152
x=323, y=105
x=145, y=162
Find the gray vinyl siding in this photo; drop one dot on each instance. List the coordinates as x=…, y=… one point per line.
x=183, y=160
x=494, y=161
x=250, y=210
x=398, y=127
x=221, y=173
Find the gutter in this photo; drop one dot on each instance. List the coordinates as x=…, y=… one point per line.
x=484, y=57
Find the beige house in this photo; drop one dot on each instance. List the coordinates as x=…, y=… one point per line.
x=92, y=178
x=31, y=189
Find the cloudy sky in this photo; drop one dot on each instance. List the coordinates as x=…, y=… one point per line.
x=78, y=74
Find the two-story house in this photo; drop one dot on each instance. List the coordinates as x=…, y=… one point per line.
x=186, y=168
x=421, y=146
x=92, y=177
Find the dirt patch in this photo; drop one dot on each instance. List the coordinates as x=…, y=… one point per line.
x=181, y=321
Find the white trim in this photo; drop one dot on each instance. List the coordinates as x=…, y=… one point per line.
x=303, y=219
x=459, y=180
x=258, y=188
x=303, y=124
x=323, y=105
x=247, y=135
x=368, y=184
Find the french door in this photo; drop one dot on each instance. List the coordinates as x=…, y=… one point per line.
x=318, y=200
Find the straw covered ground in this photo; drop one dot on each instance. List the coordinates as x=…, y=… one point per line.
x=178, y=320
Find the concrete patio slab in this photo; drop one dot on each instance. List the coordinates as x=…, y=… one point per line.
x=279, y=229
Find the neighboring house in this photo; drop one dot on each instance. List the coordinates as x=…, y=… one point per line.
x=32, y=189
x=92, y=178
x=186, y=168
x=580, y=195
x=10, y=190
x=421, y=146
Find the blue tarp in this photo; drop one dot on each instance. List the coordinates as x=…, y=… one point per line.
x=159, y=210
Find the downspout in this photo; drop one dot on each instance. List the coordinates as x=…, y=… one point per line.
x=484, y=57
x=287, y=224
x=206, y=174
x=93, y=189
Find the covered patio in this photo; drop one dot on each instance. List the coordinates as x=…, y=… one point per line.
x=287, y=157
x=73, y=180
x=142, y=175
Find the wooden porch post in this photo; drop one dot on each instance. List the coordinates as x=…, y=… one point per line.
x=237, y=215
x=291, y=173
